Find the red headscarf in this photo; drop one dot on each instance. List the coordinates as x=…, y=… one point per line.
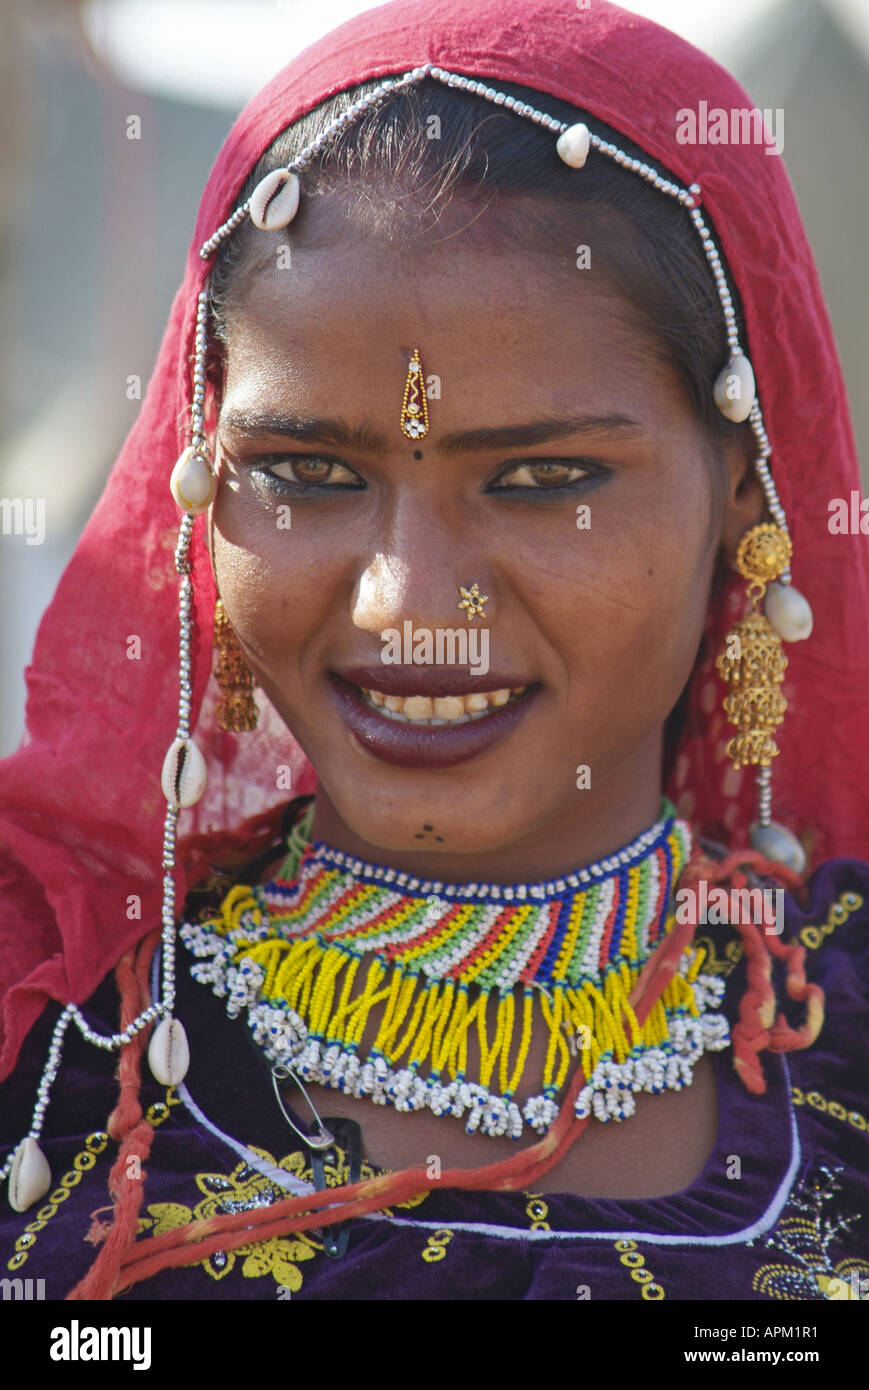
x=82, y=810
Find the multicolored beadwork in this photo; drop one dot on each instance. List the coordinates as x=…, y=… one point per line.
x=343, y=943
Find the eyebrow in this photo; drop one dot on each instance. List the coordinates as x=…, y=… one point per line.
x=539, y=432
x=310, y=429
x=305, y=430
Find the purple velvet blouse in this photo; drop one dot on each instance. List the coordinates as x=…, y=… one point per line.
x=775, y=1213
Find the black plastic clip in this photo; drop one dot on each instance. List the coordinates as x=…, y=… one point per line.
x=348, y=1137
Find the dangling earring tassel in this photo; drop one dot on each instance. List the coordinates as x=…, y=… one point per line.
x=236, y=710
x=753, y=664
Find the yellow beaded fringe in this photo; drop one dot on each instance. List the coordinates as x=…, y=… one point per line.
x=429, y=1023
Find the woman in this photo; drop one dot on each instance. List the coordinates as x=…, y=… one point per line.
x=410, y=311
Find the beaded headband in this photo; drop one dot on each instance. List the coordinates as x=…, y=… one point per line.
x=273, y=205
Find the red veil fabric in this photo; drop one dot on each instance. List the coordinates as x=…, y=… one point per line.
x=82, y=810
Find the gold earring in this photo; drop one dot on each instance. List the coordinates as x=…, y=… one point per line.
x=472, y=602
x=753, y=663
x=236, y=709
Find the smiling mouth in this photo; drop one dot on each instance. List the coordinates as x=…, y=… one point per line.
x=440, y=709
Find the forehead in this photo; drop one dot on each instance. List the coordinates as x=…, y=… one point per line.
x=339, y=306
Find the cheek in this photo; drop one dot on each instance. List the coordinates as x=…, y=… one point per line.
x=623, y=602
x=275, y=574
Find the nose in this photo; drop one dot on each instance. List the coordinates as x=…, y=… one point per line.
x=419, y=572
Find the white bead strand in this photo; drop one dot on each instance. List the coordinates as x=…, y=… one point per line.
x=581, y=878
x=192, y=483
x=200, y=344
x=49, y=1072
x=764, y=795
x=196, y=765
x=27, y=1166
x=269, y=209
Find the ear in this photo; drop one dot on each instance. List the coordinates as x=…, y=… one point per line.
x=745, y=502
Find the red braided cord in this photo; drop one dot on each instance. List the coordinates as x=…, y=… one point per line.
x=127, y=1125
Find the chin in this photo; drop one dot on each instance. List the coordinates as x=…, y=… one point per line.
x=395, y=820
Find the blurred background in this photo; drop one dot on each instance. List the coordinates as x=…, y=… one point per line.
x=94, y=225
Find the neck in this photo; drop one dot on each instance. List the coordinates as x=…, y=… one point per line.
x=593, y=824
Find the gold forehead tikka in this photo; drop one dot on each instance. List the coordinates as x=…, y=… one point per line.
x=414, y=407
x=472, y=602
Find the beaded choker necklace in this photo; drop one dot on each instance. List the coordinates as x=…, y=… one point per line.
x=334, y=944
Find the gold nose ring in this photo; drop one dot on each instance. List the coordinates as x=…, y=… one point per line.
x=472, y=601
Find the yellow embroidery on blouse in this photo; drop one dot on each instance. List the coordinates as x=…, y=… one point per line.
x=840, y=911
x=829, y=1107
x=635, y=1261
x=804, y=1233
x=436, y=1246
x=245, y=1189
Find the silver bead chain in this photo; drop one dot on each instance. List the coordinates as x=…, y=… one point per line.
x=182, y=731
x=326, y=135
x=197, y=406
x=764, y=795
x=71, y=1013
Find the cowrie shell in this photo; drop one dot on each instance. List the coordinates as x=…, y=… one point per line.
x=734, y=388
x=184, y=773
x=193, y=483
x=169, y=1053
x=777, y=843
x=573, y=145
x=788, y=612
x=275, y=200
x=29, y=1177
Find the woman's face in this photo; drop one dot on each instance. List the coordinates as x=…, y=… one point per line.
x=330, y=528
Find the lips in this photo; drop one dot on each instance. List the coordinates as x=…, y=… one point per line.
x=406, y=741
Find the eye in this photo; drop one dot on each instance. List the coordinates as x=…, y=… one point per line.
x=543, y=473
x=307, y=470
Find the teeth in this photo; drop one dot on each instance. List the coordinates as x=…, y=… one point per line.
x=440, y=709
x=449, y=706
x=418, y=707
